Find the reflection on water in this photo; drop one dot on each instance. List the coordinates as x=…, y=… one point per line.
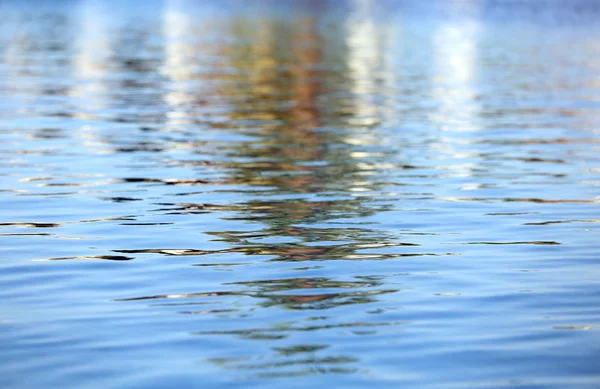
x=236, y=192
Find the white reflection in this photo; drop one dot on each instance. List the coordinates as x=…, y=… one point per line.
x=454, y=76
x=177, y=26
x=364, y=56
x=92, y=61
x=185, y=24
x=179, y=62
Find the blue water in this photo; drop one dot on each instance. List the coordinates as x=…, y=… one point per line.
x=326, y=194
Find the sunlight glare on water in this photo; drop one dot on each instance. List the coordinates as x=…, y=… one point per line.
x=300, y=194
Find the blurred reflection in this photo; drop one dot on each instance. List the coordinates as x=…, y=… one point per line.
x=273, y=78
x=93, y=60
x=454, y=77
x=364, y=42
x=189, y=63
x=267, y=80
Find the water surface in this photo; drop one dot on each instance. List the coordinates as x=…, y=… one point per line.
x=299, y=194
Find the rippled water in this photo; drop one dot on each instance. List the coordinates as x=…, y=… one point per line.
x=294, y=194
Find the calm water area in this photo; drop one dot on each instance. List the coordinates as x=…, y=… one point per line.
x=300, y=194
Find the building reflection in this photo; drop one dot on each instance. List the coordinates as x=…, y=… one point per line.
x=271, y=81
x=302, y=117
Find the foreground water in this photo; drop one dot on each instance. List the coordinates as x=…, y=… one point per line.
x=299, y=194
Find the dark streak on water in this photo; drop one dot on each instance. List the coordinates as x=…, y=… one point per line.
x=300, y=194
